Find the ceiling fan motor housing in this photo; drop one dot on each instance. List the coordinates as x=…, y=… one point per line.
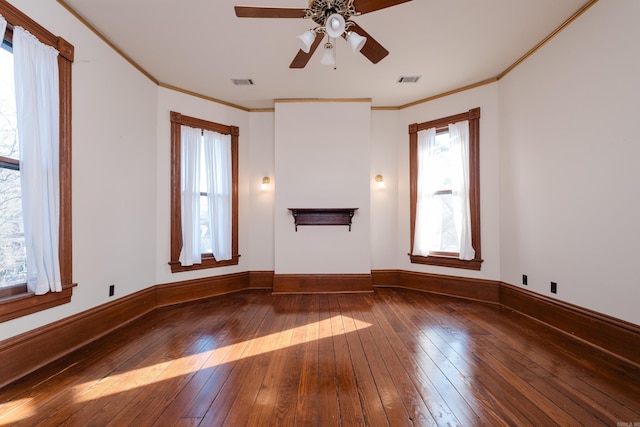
x=320, y=10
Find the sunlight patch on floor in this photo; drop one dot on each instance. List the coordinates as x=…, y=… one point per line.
x=184, y=366
x=21, y=409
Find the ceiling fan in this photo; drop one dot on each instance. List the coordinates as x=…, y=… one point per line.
x=332, y=17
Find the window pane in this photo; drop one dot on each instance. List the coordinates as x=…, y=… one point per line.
x=447, y=227
x=8, y=123
x=13, y=266
x=442, y=162
x=12, y=248
x=205, y=229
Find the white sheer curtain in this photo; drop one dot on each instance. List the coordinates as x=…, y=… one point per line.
x=190, y=195
x=459, y=137
x=426, y=218
x=217, y=152
x=38, y=115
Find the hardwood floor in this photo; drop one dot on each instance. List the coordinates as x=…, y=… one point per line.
x=394, y=357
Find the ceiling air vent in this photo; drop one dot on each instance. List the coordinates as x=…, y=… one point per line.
x=242, y=82
x=408, y=79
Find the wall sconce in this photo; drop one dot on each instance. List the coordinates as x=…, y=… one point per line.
x=265, y=183
x=379, y=181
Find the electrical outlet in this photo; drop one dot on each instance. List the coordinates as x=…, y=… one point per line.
x=554, y=288
x=524, y=279
x=112, y=290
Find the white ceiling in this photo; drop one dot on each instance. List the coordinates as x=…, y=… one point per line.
x=200, y=46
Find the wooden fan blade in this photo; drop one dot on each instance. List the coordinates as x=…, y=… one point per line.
x=268, y=12
x=366, y=6
x=371, y=49
x=301, y=59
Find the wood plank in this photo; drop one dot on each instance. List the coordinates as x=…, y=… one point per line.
x=328, y=399
x=279, y=364
x=371, y=400
x=285, y=404
x=351, y=409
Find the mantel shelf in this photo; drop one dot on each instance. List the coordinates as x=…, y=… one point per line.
x=322, y=216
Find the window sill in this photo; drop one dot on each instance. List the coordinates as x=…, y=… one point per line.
x=208, y=261
x=441, y=261
x=15, y=306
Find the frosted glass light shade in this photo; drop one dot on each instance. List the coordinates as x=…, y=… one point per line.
x=356, y=41
x=306, y=40
x=334, y=25
x=328, y=55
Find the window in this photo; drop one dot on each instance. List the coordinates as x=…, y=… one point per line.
x=13, y=265
x=445, y=197
x=204, y=203
x=15, y=299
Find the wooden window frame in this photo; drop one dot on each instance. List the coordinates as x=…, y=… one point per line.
x=444, y=259
x=15, y=301
x=208, y=260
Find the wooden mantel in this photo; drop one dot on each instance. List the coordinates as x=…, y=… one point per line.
x=322, y=216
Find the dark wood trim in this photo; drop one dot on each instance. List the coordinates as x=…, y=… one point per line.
x=14, y=306
x=198, y=289
x=10, y=291
x=261, y=279
x=321, y=283
x=473, y=116
x=208, y=261
x=64, y=336
x=385, y=278
x=446, y=261
x=482, y=290
x=614, y=336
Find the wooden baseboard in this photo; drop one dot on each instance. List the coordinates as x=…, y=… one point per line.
x=197, y=289
x=261, y=280
x=614, y=336
x=611, y=335
x=461, y=287
x=31, y=350
x=321, y=283
x=606, y=333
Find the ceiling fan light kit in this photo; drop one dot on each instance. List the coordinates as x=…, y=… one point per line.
x=356, y=41
x=328, y=55
x=306, y=40
x=335, y=25
x=333, y=17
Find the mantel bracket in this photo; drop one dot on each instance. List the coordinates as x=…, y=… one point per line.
x=322, y=216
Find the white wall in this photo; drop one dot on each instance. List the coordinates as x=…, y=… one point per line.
x=322, y=159
x=485, y=97
x=388, y=134
x=114, y=171
x=569, y=164
x=261, y=203
x=170, y=100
